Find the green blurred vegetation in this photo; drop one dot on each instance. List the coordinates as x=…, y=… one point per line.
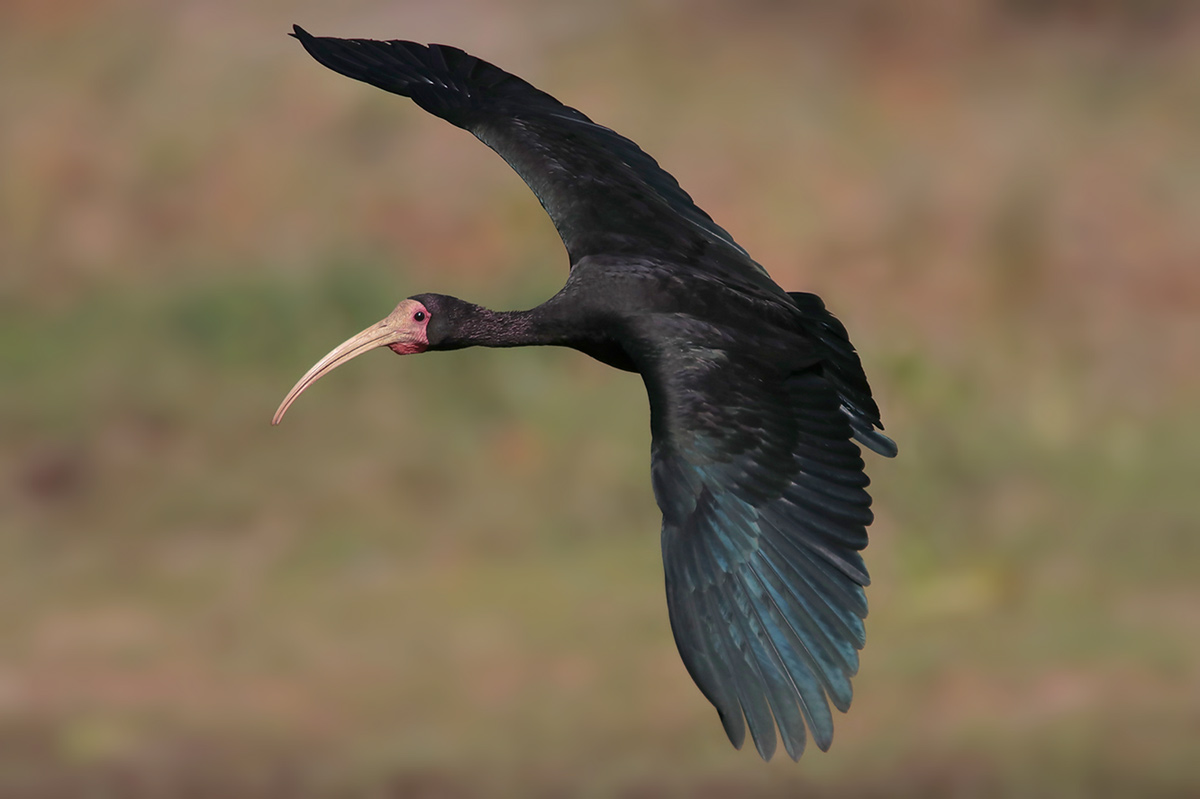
x=441, y=577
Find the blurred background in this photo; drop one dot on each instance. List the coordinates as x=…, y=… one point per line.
x=441, y=576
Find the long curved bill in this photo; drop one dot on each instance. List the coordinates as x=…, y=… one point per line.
x=395, y=331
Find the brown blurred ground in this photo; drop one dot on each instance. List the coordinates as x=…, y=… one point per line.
x=441, y=576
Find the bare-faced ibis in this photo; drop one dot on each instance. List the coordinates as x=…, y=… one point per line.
x=756, y=395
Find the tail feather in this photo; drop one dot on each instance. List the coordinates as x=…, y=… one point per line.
x=844, y=369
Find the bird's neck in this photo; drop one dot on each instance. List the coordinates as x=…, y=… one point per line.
x=483, y=327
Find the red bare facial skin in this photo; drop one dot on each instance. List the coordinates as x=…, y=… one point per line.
x=412, y=317
x=409, y=347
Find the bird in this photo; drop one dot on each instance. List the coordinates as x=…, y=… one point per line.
x=758, y=401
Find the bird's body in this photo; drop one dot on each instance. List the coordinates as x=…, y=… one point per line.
x=756, y=394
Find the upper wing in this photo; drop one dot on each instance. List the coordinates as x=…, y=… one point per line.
x=605, y=195
x=765, y=511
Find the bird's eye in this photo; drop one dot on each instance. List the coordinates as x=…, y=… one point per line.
x=419, y=316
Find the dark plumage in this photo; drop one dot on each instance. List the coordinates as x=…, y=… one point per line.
x=756, y=394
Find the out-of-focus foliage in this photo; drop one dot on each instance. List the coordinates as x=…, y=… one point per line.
x=441, y=575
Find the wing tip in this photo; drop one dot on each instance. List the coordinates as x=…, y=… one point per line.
x=735, y=727
x=310, y=43
x=766, y=745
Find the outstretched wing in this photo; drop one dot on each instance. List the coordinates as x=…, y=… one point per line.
x=605, y=195
x=765, y=510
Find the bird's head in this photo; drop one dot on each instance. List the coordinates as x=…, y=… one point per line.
x=404, y=331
